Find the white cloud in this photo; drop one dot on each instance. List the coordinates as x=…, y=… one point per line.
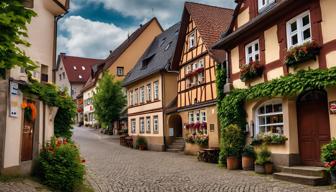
x=88, y=38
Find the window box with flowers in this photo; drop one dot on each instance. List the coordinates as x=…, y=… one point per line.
x=269, y=139
x=300, y=54
x=251, y=71
x=195, y=72
x=195, y=143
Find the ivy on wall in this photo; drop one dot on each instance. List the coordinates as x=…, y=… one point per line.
x=231, y=108
x=52, y=96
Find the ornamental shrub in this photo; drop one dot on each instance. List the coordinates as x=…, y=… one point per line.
x=263, y=156
x=59, y=166
x=233, y=141
x=328, y=155
x=248, y=151
x=140, y=141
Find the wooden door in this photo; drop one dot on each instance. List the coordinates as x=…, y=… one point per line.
x=313, y=124
x=27, y=140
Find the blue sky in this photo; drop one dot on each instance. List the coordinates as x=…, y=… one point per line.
x=94, y=27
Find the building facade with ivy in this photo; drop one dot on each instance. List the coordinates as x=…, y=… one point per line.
x=26, y=121
x=281, y=70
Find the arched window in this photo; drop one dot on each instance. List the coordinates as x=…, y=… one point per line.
x=269, y=117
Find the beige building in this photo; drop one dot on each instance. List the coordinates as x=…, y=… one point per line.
x=265, y=32
x=201, y=26
x=151, y=88
x=119, y=63
x=20, y=141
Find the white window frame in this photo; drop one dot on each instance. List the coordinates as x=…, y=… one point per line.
x=299, y=31
x=142, y=125
x=136, y=97
x=156, y=90
x=142, y=94
x=200, y=78
x=254, y=52
x=188, y=69
x=131, y=98
x=191, y=117
x=133, y=126
x=203, y=116
x=197, y=116
x=257, y=115
x=192, y=40
x=156, y=124
x=262, y=4
x=194, y=66
x=201, y=63
x=148, y=124
x=149, y=92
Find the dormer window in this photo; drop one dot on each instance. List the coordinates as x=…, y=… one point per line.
x=192, y=40
x=79, y=76
x=167, y=47
x=263, y=4
x=120, y=71
x=162, y=42
x=252, y=51
x=83, y=68
x=75, y=68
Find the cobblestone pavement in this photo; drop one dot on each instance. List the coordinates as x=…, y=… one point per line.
x=112, y=167
x=25, y=185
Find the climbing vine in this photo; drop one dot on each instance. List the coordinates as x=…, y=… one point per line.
x=231, y=108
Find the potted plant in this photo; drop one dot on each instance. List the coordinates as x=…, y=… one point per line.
x=328, y=156
x=263, y=162
x=248, y=157
x=141, y=143
x=233, y=142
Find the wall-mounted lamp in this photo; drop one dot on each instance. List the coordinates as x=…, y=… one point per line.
x=252, y=128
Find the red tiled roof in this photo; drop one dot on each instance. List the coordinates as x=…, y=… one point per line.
x=78, y=69
x=211, y=22
x=119, y=50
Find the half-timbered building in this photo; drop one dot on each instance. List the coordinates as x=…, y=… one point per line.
x=201, y=26
x=276, y=38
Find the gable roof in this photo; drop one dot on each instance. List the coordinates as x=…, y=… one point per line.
x=128, y=42
x=78, y=69
x=157, y=57
x=93, y=78
x=210, y=21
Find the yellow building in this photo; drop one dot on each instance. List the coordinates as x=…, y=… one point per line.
x=151, y=88
x=201, y=26
x=20, y=140
x=119, y=63
x=265, y=32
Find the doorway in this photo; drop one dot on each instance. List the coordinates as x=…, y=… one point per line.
x=313, y=125
x=29, y=117
x=175, y=121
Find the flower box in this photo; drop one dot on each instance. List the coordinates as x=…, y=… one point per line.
x=300, y=54
x=194, y=72
x=251, y=71
x=269, y=139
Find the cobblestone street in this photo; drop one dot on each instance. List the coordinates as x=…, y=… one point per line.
x=112, y=167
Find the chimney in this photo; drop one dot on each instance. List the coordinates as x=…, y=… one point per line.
x=140, y=25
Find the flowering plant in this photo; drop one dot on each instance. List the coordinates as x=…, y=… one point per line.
x=328, y=156
x=269, y=138
x=200, y=139
x=251, y=71
x=197, y=125
x=204, y=125
x=302, y=53
x=194, y=72
x=29, y=111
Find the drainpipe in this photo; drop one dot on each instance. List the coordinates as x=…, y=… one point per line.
x=163, y=106
x=44, y=125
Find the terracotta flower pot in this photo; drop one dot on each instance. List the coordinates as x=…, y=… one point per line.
x=268, y=168
x=259, y=169
x=232, y=163
x=247, y=163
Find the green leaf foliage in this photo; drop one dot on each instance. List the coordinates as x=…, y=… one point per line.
x=109, y=100
x=231, y=107
x=13, y=20
x=52, y=96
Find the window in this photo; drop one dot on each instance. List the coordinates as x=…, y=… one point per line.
x=120, y=71
x=131, y=98
x=299, y=30
x=194, y=66
x=60, y=76
x=156, y=124
x=162, y=42
x=269, y=118
x=142, y=125
x=201, y=78
x=156, y=90
x=149, y=92
x=148, y=124
x=192, y=40
x=188, y=69
x=142, y=95
x=201, y=63
x=191, y=117
x=75, y=68
x=252, y=51
x=203, y=116
x=63, y=74
x=133, y=126
x=135, y=98
x=262, y=4
x=198, y=116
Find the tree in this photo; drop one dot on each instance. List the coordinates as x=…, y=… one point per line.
x=109, y=100
x=13, y=19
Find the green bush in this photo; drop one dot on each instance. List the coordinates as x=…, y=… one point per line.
x=328, y=155
x=233, y=141
x=60, y=167
x=140, y=141
x=263, y=156
x=248, y=151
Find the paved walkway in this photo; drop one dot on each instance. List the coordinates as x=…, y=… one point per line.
x=112, y=167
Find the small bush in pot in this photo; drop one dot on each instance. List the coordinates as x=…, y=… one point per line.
x=328, y=156
x=232, y=145
x=263, y=163
x=248, y=157
x=141, y=143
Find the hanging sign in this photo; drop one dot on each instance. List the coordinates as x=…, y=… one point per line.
x=332, y=107
x=14, y=99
